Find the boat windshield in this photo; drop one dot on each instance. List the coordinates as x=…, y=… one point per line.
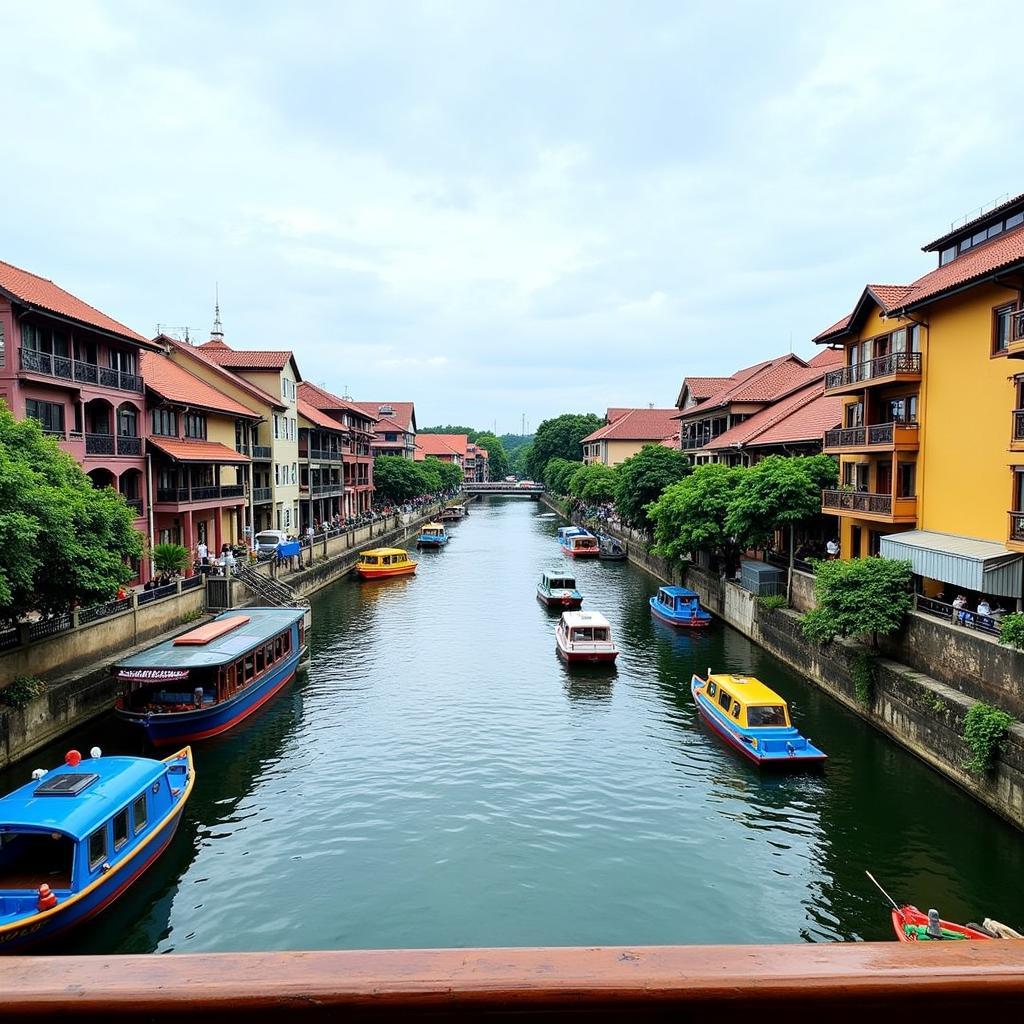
x=766, y=715
x=560, y=584
x=28, y=859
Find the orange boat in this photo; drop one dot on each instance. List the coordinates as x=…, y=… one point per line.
x=383, y=563
x=911, y=925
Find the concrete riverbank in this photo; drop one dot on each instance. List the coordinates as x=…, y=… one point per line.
x=920, y=712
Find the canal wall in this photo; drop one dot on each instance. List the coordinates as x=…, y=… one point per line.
x=922, y=713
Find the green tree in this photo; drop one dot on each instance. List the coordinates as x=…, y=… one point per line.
x=859, y=597
x=1011, y=630
x=557, y=474
x=396, y=479
x=519, y=460
x=431, y=475
x=692, y=513
x=641, y=479
x=170, y=558
x=560, y=438
x=449, y=474
x=61, y=539
x=497, y=460
x=594, y=483
x=449, y=428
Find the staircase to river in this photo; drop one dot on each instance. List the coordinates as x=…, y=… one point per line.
x=269, y=590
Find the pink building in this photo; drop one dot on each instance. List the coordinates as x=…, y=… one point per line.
x=78, y=372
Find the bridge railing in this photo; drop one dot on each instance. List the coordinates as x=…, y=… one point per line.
x=502, y=487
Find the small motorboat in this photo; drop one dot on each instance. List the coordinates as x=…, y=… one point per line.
x=584, y=637
x=453, y=514
x=752, y=719
x=432, y=535
x=384, y=563
x=680, y=607
x=77, y=836
x=556, y=590
x=610, y=549
x=578, y=543
x=911, y=925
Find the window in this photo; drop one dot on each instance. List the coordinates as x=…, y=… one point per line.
x=906, y=480
x=287, y=518
x=120, y=829
x=49, y=414
x=260, y=662
x=901, y=410
x=947, y=255
x=1012, y=222
x=736, y=711
x=855, y=414
x=292, y=429
x=139, y=817
x=712, y=688
x=97, y=848
x=250, y=667
x=123, y=361
x=275, y=426
x=195, y=425
x=277, y=473
x=724, y=700
x=768, y=715
x=165, y=422
x=127, y=421
x=295, y=472
x=278, y=648
x=1003, y=317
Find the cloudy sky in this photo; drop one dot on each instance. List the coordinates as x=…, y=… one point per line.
x=499, y=209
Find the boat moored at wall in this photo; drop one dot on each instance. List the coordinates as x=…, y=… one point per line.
x=578, y=543
x=206, y=681
x=77, y=836
x=680, y=607
x=383, y=563
x=432, y=535
x=584, y=637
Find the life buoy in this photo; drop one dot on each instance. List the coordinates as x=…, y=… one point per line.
x=566, y=599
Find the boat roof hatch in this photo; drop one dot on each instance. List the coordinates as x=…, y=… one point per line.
x=212, y=630
x=65, y=784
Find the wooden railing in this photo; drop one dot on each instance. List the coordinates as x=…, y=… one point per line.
x=858, y=501
x=724, y=984
x=1017, y=526
x=884, y=366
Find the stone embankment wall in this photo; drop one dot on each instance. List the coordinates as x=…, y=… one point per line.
x=924, y=682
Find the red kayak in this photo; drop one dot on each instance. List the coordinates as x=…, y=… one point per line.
x=912, y=926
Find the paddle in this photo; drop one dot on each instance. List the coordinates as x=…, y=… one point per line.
x=882, y=891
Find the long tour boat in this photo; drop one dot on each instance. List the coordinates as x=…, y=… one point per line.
x=557, y=590
x=432, y=535
x=752, y=719
x=77, y=836
x=584, y=636
x=383, y=563
x=209, y=679
x=680, y=607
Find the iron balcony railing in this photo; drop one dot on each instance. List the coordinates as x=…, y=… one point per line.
x=331, y=488
x=262, y=494
x=1018, y=424
x=99, y=444
x=67, y=368
x=127, y=445
x=884, y=366
x=1017, y=326
x=858, y=501
x=880, y=434
x=135, y=504
x=1017, y=526
x=689, y=443
x=325, y=454
x=183, y=495
x=261, y=452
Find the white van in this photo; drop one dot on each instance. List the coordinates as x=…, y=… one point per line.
x=266, y=542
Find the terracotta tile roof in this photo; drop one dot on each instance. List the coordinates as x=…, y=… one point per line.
x=31, y=290
x=174, y=383
x=246, y=359
x=441, y=444
x=320, y=398
x=388, y=426
x=197, y=451
x=827, y=358
x=637, y=425
x=762, y=382
x=193, y=353
x=705, y=387
x=671, y=442
x=403, y=412
x=316, y=417
x=835, y=329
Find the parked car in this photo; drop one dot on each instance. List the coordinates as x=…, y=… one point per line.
x=266, y=542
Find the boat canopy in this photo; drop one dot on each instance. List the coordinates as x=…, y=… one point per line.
x=377, y=552
x=746, y=690
x=678, y=592
x=576, y=620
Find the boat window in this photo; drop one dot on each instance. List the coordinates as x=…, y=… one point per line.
x=97, y=848
x=278, y=647
x=712, y=688
x=768, y=715
x=370, y=559
x=600, y=634
x=120, y=829
x=270, y=654
x=139, y=818
x=287, y=642
x=736, y=711
x=302, y=634
x=28, y=858
x=250, y=667
x=724, y=700
x=259, y=660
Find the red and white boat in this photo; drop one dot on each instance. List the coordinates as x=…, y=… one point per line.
x=584, y=636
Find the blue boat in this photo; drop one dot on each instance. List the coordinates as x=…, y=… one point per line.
x=76, y=837
x=680, y=607
x=432, y=535
x=207, y=680
x=752, y=719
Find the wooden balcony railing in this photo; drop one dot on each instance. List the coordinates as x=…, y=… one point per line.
x=908, y=363
x=841, y=982
x=1017, y=526
x=67, y=368
x=875, y=435
x=1018, y=424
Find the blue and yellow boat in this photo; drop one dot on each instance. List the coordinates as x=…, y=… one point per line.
x=76, y=837
x=680, y=607
x=753, y=719
x=432, y=535
x=209, y=679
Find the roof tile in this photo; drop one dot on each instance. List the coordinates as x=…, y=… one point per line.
x=175, y=384
x=188, y=450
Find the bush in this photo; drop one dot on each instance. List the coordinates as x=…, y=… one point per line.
x=864, y=679
x=1011, y=630
x=985, y=728
x=22, y=690
x=773, y=601
x=170, y=558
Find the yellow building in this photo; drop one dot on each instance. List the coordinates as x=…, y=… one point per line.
x=931, y=431
x=626, y=431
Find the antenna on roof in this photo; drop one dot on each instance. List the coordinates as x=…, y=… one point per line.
x=218, y=331
x=790, y=342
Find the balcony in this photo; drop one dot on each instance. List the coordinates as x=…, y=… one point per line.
x=135, y=504
x=99, y=444
x=261, y=452
x=890, y=369
x=1017, y=527
x=883, y=508
x=261, y=494
x=1015, y=346
x=1017, y=431
x=66, y=368
x=186, y=495
x=324, y=455
x=876, y=437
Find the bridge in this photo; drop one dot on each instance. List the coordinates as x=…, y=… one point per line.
x=502, y=487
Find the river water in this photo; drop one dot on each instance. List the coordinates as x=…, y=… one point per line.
x=439, y=778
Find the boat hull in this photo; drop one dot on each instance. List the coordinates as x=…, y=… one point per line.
x=683, y=622
x=581, y=552
x=386, y=572
x=566, y=604
x=179, y=727
x=421, y=543
x=585, y=657
x=910, y=915
x=732, y=737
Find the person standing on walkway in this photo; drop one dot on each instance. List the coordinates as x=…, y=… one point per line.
x=203, y=552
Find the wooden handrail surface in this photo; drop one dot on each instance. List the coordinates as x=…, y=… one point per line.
x=682, y=983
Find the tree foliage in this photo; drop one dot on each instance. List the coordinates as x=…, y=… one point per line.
x=1011, y=630
x=519, y=460
x=398, y=480
x=497, y=460
x=449, y=475
x=641, y=479
x=558, y=473
x=862, y=596
x=985, y=729
x=692, y=513
x=594, y=483
x=560, y=437
x=61, y=539
x=449, y=428
x=170, y=557
x=778, y=492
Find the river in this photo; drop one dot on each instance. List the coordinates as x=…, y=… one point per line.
x=439, y=778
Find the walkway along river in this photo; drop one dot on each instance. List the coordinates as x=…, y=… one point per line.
x=439, y=778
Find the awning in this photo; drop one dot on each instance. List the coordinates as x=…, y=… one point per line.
x=197, y=451
x=964, y=562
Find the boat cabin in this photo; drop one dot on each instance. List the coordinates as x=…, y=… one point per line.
x=747, y=700
x=678, y=600
x=557, y=581
x=384, y=557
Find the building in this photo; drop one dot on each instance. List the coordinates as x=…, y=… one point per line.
x=200, y=482
x=476, y=468
x=626, y=431
x=357, y=427
x=395, y=431
x=452, y=448
x=322, y=443
x=77, y=371
x=932, y=435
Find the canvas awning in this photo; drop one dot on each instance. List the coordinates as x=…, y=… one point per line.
x=964, y=562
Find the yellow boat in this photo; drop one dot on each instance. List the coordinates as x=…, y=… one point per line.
x=383, y=563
